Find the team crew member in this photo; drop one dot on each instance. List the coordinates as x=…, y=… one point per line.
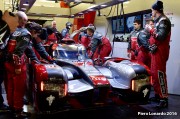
x=65, y=31
x=36, y=52
x=132, y=38
x=159, y=41
x=55, y=31
x=51, y=36
x=100, y=46
x=83, y=37
x=36, y=44
x=16, y=67
x=143, y=45
x=53, y=25
x=8, y=24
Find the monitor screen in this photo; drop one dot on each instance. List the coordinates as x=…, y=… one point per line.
x=117, y=25
x=129, y=22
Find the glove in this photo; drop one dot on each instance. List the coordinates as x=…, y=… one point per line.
x=153, y=48
x=53, y=61
x=90, y=54
x=149, y=29
x=34, y=62
x=135, y=52
x=98, y=61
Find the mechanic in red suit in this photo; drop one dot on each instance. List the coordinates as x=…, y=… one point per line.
x=8, y=24
x=36, y=53
x=51, y=36
x=160, y=47
x=132, y=40
x=83, y=38
x=100, y=46
x=36, y=44
x=15, y=66
x=65, y=31
x=143, y=45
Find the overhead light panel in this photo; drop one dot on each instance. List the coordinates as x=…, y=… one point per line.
x=24, y=9
x=26, y=4
x=92, y=6
x=103, y=5
x=90, y=9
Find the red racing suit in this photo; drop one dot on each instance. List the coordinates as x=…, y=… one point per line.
x=52, y=38
x=16, y=68
x=132, y=44
x=84, y=39
x=161, y=38
x=100, y=47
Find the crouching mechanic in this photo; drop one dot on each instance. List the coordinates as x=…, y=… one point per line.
x=15, y=66
x=100, y=46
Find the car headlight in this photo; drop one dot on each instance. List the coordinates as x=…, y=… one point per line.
x=48, y=86
x=139, y=82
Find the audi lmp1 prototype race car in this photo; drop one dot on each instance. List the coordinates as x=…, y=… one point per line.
x=75, y=82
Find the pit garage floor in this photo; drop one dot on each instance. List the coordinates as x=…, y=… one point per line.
x=114, y=112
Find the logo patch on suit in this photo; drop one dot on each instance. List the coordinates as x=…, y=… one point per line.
x=26, y=39
x=16, y=33
x=161, y=78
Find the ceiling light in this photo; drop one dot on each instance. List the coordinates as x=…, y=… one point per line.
x=24, y=9
x=127, y=2
x=58, y=15
x=103, y=5
x=77, y=0
x=26, y=4
x=92, y=6
x=90, y=9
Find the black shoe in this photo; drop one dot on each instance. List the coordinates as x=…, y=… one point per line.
x=163, y=103
x=26, y=102
x=156, y=98
x=4, y=108
x=21, y=114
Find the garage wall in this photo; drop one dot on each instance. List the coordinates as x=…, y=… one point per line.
x=171, y=9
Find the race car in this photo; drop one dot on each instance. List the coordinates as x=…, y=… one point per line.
x=75, y=82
